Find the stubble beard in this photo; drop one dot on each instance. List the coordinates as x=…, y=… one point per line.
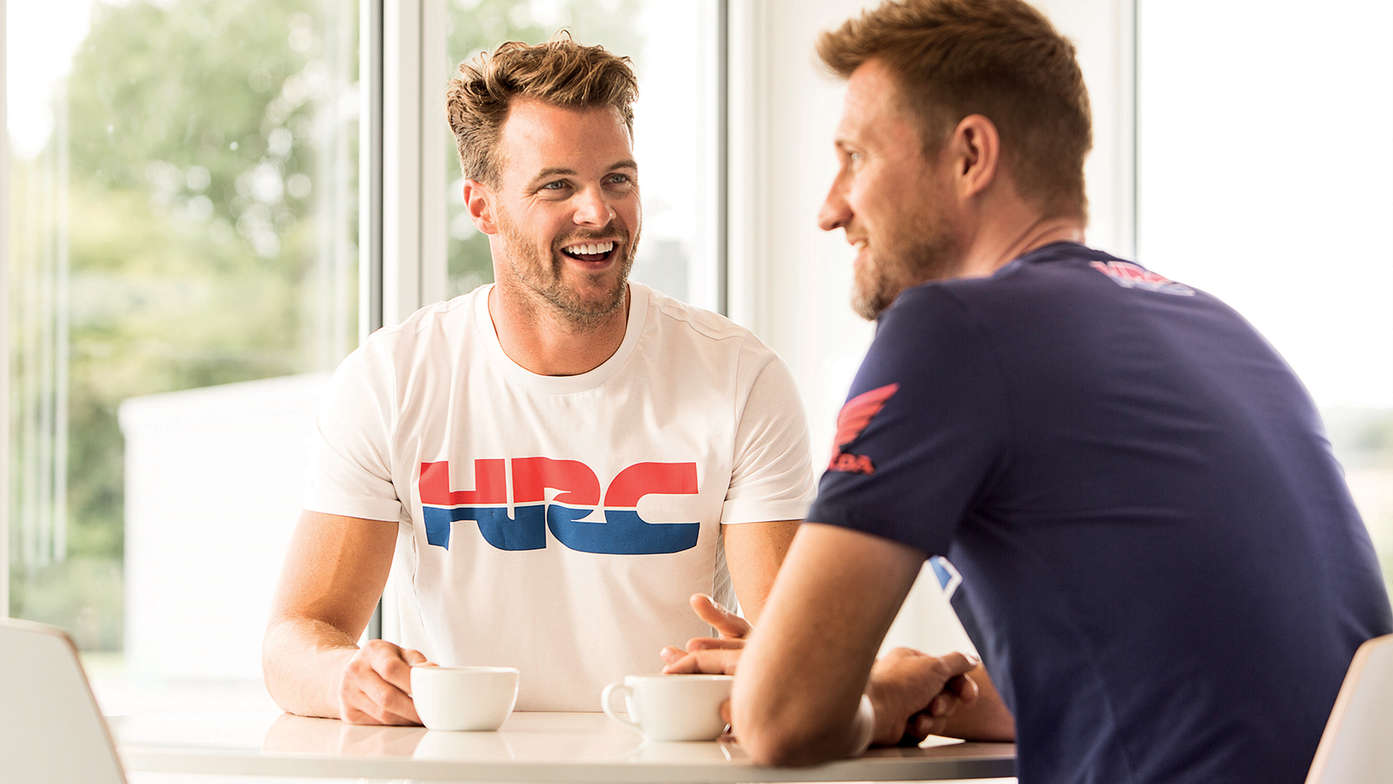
x=879, y=281
x=542, y=273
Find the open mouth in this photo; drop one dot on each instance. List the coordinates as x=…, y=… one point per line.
x=592, y=252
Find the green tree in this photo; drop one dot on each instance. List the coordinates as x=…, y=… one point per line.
x=191, y=239
x=194, y=128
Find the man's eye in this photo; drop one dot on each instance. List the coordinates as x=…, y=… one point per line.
x=620, y=179
x=554, y=186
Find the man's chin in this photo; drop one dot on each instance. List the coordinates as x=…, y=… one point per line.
x=866, y=309
x=588, y=308
x=869, y=299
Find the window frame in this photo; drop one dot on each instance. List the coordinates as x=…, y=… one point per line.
x=402, y=231
x=4, y=324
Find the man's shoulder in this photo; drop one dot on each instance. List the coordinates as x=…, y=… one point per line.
x=448, y=319
x=682, y=321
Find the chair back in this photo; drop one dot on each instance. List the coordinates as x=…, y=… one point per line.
x=50, y=726
x=1357, y=745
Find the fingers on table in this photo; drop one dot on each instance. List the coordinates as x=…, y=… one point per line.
x=377, y=685
x=958, y=663
x=963, y=687
x=713, y=643
x=921, y=726
x=371, y=706
x=726, y=623
x=716, y=661
x=393, y=669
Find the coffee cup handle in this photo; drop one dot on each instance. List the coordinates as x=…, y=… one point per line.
x=606, y=702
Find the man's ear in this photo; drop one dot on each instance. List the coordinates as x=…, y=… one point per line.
x=478, y=200
x=975, y=154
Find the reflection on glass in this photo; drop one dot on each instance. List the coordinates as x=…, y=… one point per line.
x=182, y=265
x=1238, y=194
x=672, y=46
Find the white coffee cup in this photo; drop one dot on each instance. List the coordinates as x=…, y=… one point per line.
x=463, y=698
x=671, y=707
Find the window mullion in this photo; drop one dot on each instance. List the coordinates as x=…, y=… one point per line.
x=4, y=335
x=402, y=154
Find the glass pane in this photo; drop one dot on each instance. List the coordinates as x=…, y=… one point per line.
x=1267, y=179
x=183, y=274
x=673, y=48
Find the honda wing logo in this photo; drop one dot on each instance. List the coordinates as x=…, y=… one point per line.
x=855, y=416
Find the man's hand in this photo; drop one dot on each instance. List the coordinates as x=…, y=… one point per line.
x=913, y=694
x=712, y=661
x=376, y=685
x=732, y=630
x=710, y=655
x=709, y=661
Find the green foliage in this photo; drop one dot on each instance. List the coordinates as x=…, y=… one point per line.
x=192, y=247
x=81, y=595
x=191, y=254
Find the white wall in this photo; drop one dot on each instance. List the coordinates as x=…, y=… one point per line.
x=214, y=482
x=791, y=282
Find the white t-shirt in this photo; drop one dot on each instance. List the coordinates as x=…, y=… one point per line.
x=559, y=524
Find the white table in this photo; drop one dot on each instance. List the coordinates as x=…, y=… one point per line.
x=540, y=747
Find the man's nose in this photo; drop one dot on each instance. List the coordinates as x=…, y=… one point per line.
x=592, y=208
x=835, y=212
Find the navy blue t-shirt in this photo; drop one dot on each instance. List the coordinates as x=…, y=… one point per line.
x=1166, y=572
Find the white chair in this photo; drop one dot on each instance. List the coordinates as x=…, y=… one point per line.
x=1357, y=745
x=50, y=726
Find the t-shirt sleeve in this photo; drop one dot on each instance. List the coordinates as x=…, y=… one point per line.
x=924, y=430
x=772, y=475
x=350, y=467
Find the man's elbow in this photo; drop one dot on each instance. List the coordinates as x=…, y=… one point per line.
x=777, y=747
x=277, y=649
x=270, y=674
x=786, y=743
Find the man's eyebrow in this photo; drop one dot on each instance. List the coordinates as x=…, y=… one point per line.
x=552, y=171
x=627, y=163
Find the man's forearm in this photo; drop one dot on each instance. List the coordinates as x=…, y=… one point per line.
x=302, y=661
x=754, y=552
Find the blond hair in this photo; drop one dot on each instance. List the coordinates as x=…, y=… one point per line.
x=559, y=72
x=998, y=58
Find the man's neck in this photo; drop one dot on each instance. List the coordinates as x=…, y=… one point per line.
x=996, y=246
x=543, y=341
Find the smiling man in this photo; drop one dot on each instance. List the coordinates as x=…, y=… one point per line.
x=1166, y=573
x=557, y=459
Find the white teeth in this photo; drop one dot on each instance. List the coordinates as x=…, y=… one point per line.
x=590, y=248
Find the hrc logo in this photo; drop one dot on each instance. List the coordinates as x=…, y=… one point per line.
x=1132, y=276
x=623, y=532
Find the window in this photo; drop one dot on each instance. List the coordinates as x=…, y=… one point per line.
x=1265, y=176
x=675, y=54
x=182, y=274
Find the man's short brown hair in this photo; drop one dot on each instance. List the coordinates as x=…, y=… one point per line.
x=999, y=58
x=560, y=72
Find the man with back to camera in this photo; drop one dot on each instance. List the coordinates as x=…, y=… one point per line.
x=1167, y=573
x=559, y=459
